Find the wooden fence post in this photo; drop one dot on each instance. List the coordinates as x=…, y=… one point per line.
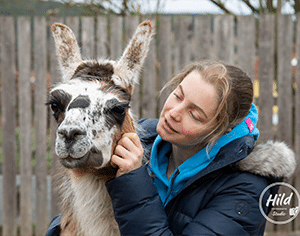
x=116, y=32
x=246, y=44
x=285, y=54
x=202, y=38
x=266, y=76
x=266, y=49
x=24, y=58
x=40, y=121
x=224, y=38
x=88, y=37
x=102, y=37
x=182, y=41
x=8, y=78
x=285, y=93
x=297, y=118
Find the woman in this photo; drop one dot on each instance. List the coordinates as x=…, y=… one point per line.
x=196, y=185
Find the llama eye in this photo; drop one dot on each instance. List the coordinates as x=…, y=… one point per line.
x=120, y=110
x=54, y=107
x=115, y=111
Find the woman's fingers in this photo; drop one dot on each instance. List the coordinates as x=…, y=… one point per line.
x=129, y=143
x=128, y=154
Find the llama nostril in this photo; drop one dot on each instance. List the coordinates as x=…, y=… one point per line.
x=71, y=134
x=77, y=134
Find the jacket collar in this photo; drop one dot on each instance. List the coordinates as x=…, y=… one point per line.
x=232, y=153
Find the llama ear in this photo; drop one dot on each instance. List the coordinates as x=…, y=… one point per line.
x=67, y=49
x=129, y=65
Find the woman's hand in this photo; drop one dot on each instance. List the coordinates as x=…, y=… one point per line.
x=128, y=154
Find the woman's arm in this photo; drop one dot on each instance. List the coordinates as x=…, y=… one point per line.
x=137, y=205
x=139, y=210
x=54, y=227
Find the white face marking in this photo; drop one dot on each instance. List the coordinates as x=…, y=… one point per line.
x=85, y=133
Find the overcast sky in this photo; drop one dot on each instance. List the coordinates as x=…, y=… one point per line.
x=201, y=6
x=197, y=6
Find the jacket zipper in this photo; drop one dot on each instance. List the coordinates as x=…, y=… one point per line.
x=171, y=186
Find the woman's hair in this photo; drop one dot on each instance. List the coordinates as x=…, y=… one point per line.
x=235, y=93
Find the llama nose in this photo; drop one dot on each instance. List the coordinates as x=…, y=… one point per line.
x=70, y=134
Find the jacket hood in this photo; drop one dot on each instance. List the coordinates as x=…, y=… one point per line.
x=270, y=159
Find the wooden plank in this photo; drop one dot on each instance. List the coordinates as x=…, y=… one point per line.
x=24, y=58
x=55, y=76
x=131, y=22
x=297, y=119
x=8, y=76
x=149, y=98
x=102, y=37
x=88, y=37
x=116, y=37
x=246, y=44
x=202, y=37
x=285, y=53
x=285, y=93
x=266, y=76
x=224, y=38
x=164, y=56
x=40, y=120
x=182, y=40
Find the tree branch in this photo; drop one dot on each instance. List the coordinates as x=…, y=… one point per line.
x=270, y=6
x=296, y=6
x=261, y=7
x=222, y=6
x=253, y=9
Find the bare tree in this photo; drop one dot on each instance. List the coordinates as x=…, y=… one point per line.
x=119, y=7
x=261, y=6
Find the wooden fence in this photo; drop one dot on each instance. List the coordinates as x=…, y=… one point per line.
x=28, y=68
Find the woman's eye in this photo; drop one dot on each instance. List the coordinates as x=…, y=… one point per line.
x=195, y=116
x=177, y=96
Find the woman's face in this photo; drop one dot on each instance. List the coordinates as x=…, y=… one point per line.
x=187, y=111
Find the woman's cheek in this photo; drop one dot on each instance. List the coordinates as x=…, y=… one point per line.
x=191, y=130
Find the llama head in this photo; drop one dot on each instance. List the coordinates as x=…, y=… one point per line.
x=91, y=105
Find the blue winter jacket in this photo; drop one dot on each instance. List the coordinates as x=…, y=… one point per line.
x=219, y=200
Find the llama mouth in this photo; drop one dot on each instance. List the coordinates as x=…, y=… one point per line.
x=93, y=159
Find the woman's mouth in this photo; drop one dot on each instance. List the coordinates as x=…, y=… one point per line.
x=168, y=127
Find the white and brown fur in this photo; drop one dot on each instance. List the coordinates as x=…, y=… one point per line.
x=91, y=106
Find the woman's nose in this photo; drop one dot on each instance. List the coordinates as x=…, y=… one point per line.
x=176, y=114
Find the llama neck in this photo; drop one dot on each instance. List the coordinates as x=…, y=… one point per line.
x=93, y=207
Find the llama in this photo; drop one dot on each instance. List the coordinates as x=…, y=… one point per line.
x=91, y=107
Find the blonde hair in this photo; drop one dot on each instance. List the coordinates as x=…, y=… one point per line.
x=235, y=92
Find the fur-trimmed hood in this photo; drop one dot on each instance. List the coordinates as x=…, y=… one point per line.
x=270, y=159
